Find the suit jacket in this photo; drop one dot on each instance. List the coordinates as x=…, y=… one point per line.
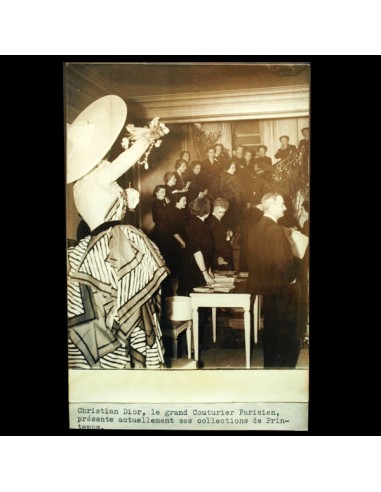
x=270, y=259
x=263, y=160
x=283, y=153
x=304, y=144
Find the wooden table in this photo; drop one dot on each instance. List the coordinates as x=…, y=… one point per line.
x=236, y=298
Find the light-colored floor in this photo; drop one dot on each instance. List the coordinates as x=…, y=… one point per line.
x=231, y=359
x=229, y=350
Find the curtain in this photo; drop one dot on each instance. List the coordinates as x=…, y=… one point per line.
x=226, y=133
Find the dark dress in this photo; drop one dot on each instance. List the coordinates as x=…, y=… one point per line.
x=261, y=185
x=244, y=173
x=211, y=173
x=180, y=181
x=271, y=271
x=210, y=168
x=283, y=153
x=222, y=247
x=304, y=146
x=223, y=159
x=250, y=218
x=197, y=185
x=173, y=191
x=232, y=190
x=175, y=253
x=198, y=239
x=160, y=218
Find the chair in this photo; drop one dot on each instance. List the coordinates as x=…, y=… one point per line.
x=178, y=318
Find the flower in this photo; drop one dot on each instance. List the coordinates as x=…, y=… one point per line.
x=125, y=143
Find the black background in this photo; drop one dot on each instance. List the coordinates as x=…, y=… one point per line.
x=35, y=343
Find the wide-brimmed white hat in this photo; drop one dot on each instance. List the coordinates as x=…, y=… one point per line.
x=92, y=134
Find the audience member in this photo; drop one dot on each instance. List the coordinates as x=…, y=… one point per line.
x=180, y=173
x=272, y=274
x=221, y=155
x=250, y=218
x=305, y=142
x=262, y=181
x=222, y=237
x=199, y=244
x=244, y=172
x=304, y=145
x=261, y=157
x=232, y=190
x=160, y=218
x=171, y=187
x=176, y=237
x=211, y=166
x=286, y=149
x=185, y=155
x=197, y=188
x=238, y=155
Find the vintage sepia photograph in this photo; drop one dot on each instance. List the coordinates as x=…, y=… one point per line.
x=188, y=198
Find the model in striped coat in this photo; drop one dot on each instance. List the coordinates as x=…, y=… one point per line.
x=114, y=274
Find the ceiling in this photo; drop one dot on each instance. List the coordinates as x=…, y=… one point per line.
x=142, y=79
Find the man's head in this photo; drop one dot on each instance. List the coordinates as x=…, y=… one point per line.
x=220, y=206
x=262, y=149
x=273, y=205
x=306, y=133
x=284, y=139
x=247, y=155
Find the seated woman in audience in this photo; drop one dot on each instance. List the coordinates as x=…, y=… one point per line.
x=160, y=218
x=185, y=155
x=176, y=239
x=171, y=187
x=223, y=252
x=232, y=190
x=197, y=188
x=181, y=168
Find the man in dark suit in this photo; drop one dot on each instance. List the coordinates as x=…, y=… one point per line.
x=272, y=274
x=262, y=158
x=285, y=148
x=304, y=145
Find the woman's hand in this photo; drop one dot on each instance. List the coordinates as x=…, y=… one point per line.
x=209, y=280
x=221, y=261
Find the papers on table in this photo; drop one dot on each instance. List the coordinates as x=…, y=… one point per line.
x=217, y=287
